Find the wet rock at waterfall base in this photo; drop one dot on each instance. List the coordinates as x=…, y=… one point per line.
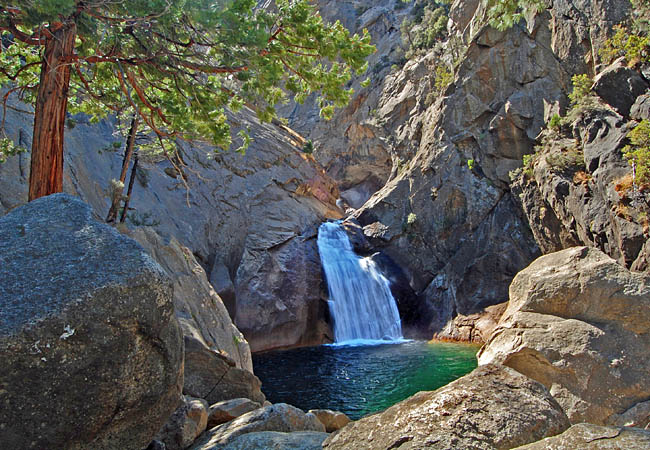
x=91, y=350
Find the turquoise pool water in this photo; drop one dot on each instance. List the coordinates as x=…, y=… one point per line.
x=360, y=380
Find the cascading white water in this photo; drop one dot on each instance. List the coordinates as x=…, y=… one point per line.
x=361, y=304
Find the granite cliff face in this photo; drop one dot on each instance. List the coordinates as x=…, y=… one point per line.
x=447, y=214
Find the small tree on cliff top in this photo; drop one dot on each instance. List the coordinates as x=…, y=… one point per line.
x=178, y=64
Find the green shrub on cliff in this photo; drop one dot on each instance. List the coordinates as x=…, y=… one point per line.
x=631, y=39
x=633, y=46
x=428, y=26
x=581, y=88
x=503, y=14
x=444, y=77
x=638, y=151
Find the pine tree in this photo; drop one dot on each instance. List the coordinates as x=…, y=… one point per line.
x=177, y=64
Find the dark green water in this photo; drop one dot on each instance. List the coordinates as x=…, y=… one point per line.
x=360, y=380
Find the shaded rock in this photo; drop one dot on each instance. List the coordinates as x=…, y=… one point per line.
x=185, y=424
x=589, y=436
x=641, y=108
x=636, y=416
x=492, y=407
x=199, y=309
x=227, y=410
x=156, y=445
x=332, y=420
x=619, y=86
x=286, y=278
x=274, y=440
x=215, y=377
x=358, y=240
x=578, y=323
x=222, y=283
x=279, y=417
x=91, y=351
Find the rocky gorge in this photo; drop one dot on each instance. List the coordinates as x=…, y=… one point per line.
x=545, y=264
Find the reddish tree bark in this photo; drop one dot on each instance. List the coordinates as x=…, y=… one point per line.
x=46, y=176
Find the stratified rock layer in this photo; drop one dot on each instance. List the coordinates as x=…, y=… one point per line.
x=579, y=323
x=91, y=351
x=585, y=436
x=493, y=407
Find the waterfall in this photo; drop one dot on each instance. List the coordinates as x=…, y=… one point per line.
x=361, y=304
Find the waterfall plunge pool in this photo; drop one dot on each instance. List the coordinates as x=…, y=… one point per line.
x=360, y=380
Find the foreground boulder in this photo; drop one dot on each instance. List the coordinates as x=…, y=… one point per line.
x=91, y=351
x=595, y=437
x=279, y=417
x=186, y=423
x=215, y=377
x=228, y=410
x=332, y=420
x=492, y=407
x=275, y=440
x=579, y=323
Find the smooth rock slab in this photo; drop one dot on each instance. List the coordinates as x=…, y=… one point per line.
x=589, y=436
x=332, y=420
x=228, y=410
x=279, y=417
x=493, y=407
x=91, y=350
x=274, y=440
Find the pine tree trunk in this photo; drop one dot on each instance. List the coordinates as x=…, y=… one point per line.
x=46, y=176
x=128, y=152
x=128, y=192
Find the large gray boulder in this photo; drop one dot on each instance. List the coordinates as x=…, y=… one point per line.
x=579, y=323
x=91, y=350
x=493, y=407
x=595, y=437
x=279, y=417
